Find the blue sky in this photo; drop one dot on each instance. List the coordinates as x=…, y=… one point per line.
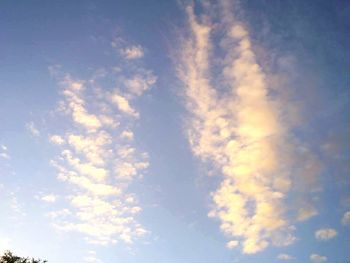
x=175, y=131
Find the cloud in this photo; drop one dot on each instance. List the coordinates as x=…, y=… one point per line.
x=5, y=156
x=325, y=234
x=50, y=198
x=18, y=212
x=240, y=129
x=98, y=158
x=123, y=104
x=93, y=147
x=75, y=104
x=346, y=218
x=284, y=257
x=59, y=213
x=132, y=52
x=138, y=84
x=30, y=126
x=56, y=139
x=92, y=257
x=127, y=135
x=306, y=212
x=232, y=244
x=315, y=258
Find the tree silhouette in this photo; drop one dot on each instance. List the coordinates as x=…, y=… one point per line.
x=8, y=257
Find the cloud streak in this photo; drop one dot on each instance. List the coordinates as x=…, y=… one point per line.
x=284, y=257
x=241, y=132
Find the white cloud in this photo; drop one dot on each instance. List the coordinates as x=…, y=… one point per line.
x=127, y=135
x=32, y=129
x=92, y=257
x=16, y=207
x=4, y=147
x=50, y=198
x=212, y=136
x=99, y=158
x=5, y=156
x=85, y=168
x=346, y=218
x=232, y=244
x=56, y=139
x=59, y=213
x=325, y=234
x=123, y=104
x=140, y=83
x=76, y=104
x=306, y=212
x=92, y=146
x=242, y=133
x=132, y=52
x=283, y=256
x=315, y=258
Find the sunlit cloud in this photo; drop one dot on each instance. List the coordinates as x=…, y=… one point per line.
x=98, y=158
x=325, y=234
x=241, y=131
x=232, y=244
x=123, y=104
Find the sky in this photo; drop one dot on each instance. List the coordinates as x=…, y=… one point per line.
x=175, y=131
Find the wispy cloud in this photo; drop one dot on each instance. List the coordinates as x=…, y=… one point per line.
x=92, y=257
x=32, y=129
x=56, y=139
x=305, y=212
x=50, y=198
x=132, y=52
x=241, y=131
x=284, y=257
x=17, y=208
x=346, y=218
x=325, y=234
x=315, y=258
x=98, y=159
x=5, y=155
